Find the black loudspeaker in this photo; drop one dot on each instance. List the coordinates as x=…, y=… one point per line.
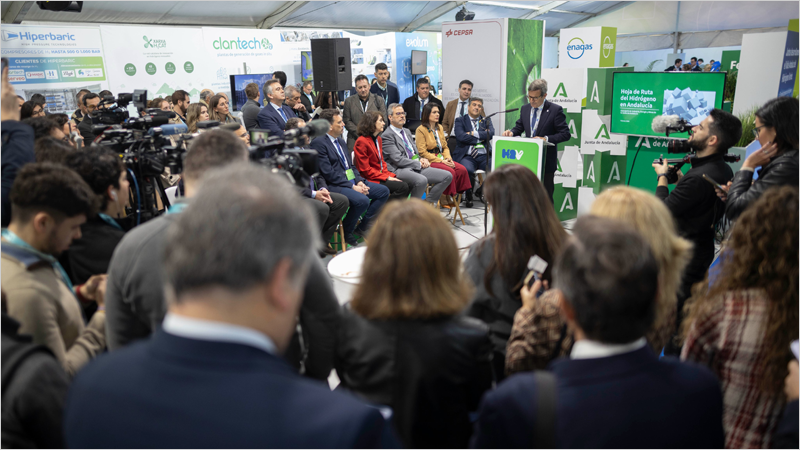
x=331, y=61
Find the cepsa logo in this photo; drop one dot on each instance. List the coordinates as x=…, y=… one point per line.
x=458, y=33
x=573, y=49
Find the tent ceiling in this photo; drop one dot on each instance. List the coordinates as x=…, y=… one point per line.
x=630, y=18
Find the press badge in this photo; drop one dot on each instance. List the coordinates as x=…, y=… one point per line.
x=350, y=175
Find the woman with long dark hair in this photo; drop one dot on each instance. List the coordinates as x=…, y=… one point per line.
x=777, y=131
x=432, y=145
x=743, y=323
x=525, y=224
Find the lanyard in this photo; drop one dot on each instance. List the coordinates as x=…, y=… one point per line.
x=109, y=220
x=177, y=208
x=364, y=106
x=380, y=157
x=341, y=154
x=438, y=142
x=15, y=240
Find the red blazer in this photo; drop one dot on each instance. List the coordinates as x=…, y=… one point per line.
x=369, y=160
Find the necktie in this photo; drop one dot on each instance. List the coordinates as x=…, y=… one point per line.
x=283, y=114
x=473, y=150
x=463, y=104
x=534, y=121
x=341, y=154
x=408, y=146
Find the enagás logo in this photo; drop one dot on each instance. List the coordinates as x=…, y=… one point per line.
x=458, y=33
x=33, y=37
x=154, y=43
x=607, y=47
x=573, y=49
x=242, y=44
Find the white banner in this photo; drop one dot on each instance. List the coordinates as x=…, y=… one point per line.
x=54, y=61
x=596, y=137
x=570, y=167
x=159, y=59
x=239, y=51
x=474, y=50
x=566, y=87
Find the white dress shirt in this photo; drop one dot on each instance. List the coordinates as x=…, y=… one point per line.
x=206, y=330
x=587, y=349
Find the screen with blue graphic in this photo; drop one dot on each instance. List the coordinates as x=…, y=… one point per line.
x=238, y=83
x=306, y=68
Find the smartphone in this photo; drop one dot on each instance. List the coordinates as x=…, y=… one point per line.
x=713, y=183
x=536, y=267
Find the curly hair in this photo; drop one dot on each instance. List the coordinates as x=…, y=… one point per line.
x=99, y=167
x=762, y=253
x=368, y=124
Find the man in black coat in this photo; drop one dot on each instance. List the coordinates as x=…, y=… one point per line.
x=545, y=120
x=694, y=202
x=414, y=105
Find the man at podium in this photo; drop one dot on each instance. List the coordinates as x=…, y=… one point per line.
x=545, y=120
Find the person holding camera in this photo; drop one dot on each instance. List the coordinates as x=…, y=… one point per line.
x=693, y=202
x=90, y=102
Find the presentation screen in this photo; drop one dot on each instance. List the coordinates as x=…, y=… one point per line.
x=238, y=83
x=638, y=97
x=306, y=68
x=419, y=62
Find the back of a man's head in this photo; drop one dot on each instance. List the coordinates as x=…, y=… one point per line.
x=213, y=149
x=241, y=224
x=329, y=114
x=99, y=167
x=42, y=126
x=50, y=188
x=609, y=277
x=50, y=149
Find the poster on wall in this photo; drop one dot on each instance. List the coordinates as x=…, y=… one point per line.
x=367, y=51
x=159, y=59
x=239, y=51
x=56, y=62
x=789, y=66
x=405, y=43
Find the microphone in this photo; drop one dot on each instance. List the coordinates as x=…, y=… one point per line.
x=77, y=138
x=313, y=129
x=171, y=129
x=502, y=112
x=668, y=124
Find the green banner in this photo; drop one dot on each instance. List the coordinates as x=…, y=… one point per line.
x=602, y=170
x=608, y=46
x=730, y=60
x=565, y=201
x=524, y=59
x=574, y=122
x=598, y=88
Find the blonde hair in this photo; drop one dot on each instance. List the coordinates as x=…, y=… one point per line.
x=409, y=274
x=650, y=217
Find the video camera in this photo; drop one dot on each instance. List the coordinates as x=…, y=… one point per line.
x=285, y=155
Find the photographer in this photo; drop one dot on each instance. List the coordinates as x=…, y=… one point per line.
x=693, y=202
x=90, y=102
x=135, y=298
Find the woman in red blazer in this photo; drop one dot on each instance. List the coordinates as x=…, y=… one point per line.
x=368, y=157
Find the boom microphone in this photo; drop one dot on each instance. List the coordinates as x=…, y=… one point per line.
x=661, y=123
x=313, y=129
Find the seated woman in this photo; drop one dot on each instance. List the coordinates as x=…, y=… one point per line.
x=325, y=100
x=525, y=224
x=531, y=347
x=368, y=159
x=777, y=131
x=432, y=145
x=406, y=344
x=197, y=112
x=218, y=110
x=743, y=324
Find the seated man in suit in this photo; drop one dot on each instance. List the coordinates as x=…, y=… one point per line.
x=252, y=107
x=414, y=105
x=545, y=120
x=235, y=262
x=293, y=97
x=613, y=392
x=382, y=88
x=330, y=207
x=336, y=167
x=474, y=136
x=400, y=154
x=274, y=114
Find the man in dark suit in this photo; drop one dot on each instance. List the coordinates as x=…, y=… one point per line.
x=545, y=120
x=308, y=98
x=251, y=108
x=413, y=105
x=382, y=88
x=678, y=67
x=336, y=167
x=212, y=377
x=293, y=101
x=91, y=102
x=355, y=107
x=474, y=136
x=613, y=392
x=274, y=114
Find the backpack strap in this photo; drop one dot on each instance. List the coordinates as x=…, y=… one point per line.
x=13, y=357
x=544, y=428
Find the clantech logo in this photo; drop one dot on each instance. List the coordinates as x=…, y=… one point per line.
x=33, y=37
x=154, y=43
x=573, y=49
x=242, y=44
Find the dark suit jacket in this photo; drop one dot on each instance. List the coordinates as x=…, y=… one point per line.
x=85, y=129
x=330, y=166
x=631, y=400
x=463, y=128
x=174, y=392
x=552, y=123
x=250, y=111
x=305, y=116
x=309, y=104
x=392, y=94
x=319, y=183
x=91, y=254
x=17, y=150
x=411, y=107
x=270, y=119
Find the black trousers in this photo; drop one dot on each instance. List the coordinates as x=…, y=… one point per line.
x=549, y=184
x=398, y=190
x=329, y=214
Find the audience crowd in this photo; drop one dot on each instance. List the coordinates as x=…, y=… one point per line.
x=215, y=324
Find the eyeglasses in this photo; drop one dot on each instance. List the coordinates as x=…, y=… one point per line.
x=755, y=130
x=399, y=114
x=536, y=98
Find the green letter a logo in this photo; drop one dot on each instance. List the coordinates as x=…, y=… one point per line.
x=602, y=131
x=561, y=91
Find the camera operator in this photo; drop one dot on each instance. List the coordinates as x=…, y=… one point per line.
x=17, y=147
x=135, y=298
x=329, y=206
x=90, y=102
x=693, y=202
x=81, y=112
x=180, y=103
